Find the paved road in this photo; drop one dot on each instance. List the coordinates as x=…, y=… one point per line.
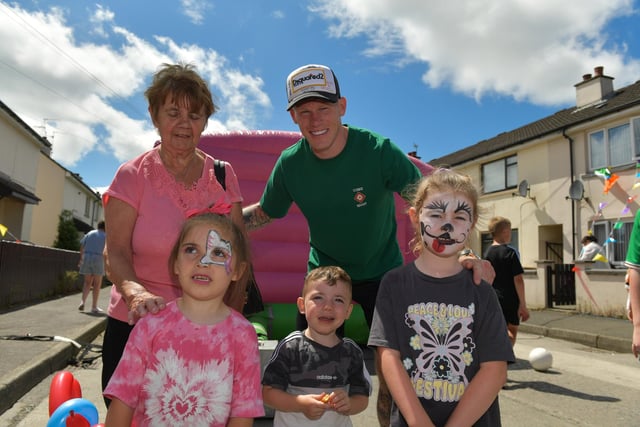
x=585, y=387
x=594, y=375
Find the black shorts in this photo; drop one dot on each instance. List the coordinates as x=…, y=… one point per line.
x=509, y=304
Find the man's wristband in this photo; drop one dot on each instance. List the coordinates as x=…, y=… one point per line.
x=468, y=252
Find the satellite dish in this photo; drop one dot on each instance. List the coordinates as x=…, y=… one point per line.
x=576, y=191
x=523, y=188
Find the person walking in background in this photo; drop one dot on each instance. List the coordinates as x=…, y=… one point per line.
x=509, y=281
x=196, y=363
x=150, y=198
x=343, y=179
x=292, y=383
x=91, y=265
x=442, y=339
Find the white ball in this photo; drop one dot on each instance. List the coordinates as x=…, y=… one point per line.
x=540, y=358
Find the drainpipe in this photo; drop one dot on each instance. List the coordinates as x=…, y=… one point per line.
x=96, y=206
x=573, y=204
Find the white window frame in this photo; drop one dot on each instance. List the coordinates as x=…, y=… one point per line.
x=507, y=167
x=604, y=155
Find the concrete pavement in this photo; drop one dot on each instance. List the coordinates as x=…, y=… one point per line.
x=29, y=353
x=24, y=360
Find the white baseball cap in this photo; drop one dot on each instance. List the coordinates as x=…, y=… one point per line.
x=312, y=81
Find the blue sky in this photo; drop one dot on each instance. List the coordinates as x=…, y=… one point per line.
x=437, y=75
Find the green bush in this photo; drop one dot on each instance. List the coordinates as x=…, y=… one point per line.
x=67, y=233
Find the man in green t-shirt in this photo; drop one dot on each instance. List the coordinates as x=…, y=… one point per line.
x=343, y=179
x=633, y=263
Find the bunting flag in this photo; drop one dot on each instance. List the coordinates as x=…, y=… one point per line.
x=617, y=226
x=603, y=173
x=598, y=214
x=609, y=178
x=609, y=182
x=601, y=258
x=5, y=230
x=637, y=183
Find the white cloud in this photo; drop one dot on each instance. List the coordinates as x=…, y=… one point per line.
x=99, y=18
x=195, y=10
x=526, y=49
x=92, y=94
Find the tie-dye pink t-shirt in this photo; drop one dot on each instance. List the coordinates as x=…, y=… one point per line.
x=176, y=372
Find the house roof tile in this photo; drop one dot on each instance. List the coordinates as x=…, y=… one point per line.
x=619, y=100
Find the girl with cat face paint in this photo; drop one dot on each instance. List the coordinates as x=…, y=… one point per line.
x=445, y=221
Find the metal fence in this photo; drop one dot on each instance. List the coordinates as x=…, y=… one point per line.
x=31, y=273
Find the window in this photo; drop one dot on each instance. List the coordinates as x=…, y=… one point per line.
x=87, y=206
x=614, y=146
x=615, y=251
x=500, y=174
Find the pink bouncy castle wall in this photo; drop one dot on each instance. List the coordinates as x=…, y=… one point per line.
x=280, y=249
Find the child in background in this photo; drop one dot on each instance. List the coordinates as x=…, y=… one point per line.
x=197, y=361
x=316, y=378
x=509, y=281
x=442, y=340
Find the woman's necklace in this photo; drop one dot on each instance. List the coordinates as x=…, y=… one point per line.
x=184, y=173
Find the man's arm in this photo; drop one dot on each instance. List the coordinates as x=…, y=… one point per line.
x=254, y=217
x=634, y=295
x=482, y=269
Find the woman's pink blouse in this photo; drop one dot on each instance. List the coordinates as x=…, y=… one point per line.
x=161, y=204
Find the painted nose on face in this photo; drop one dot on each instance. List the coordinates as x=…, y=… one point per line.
x=447, y=227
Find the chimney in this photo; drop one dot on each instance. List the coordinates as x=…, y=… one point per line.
x=593, y=89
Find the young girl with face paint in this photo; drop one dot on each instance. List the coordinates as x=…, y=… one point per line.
x=197, y=361
x=441, y=339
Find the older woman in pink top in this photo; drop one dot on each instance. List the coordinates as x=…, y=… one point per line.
x=150, y=198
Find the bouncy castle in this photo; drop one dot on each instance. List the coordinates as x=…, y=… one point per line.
x=281, y=248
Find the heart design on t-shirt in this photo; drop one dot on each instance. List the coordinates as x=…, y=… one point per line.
x=183, y=406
